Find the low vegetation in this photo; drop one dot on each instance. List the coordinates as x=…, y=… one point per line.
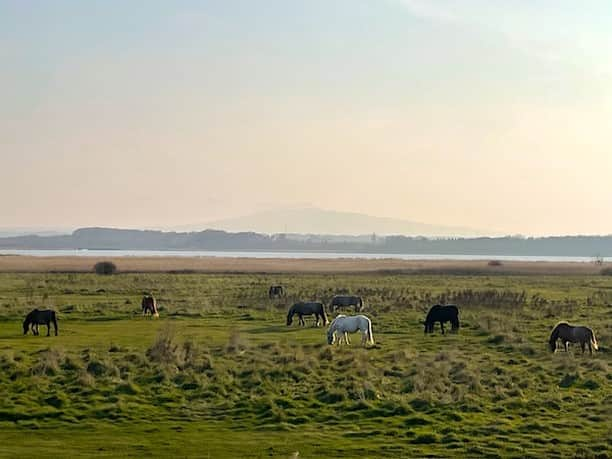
x=220, y=375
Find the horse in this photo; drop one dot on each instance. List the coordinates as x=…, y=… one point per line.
x=346, y=301
x=149, y=305
x=343, y=325
x=37, y=317
x=439, y=313
x=307, y=309
x=276, y=291
x=570, y=334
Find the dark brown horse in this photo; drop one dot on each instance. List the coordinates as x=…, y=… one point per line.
x=38, y=317
x=345, y=301
x=276, y=291
x=149, y=305
x=307, y=309
x=570, y=334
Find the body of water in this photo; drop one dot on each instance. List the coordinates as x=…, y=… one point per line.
x=318, y=255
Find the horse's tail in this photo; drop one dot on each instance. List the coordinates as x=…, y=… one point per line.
x=155, y=310
x=594, y=341
x=325, y=319
x=54, y=320
x=370, y=335
x=360, y=304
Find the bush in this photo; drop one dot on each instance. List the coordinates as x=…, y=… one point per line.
x=606, y=272
x=105, y=267
x=495, y=263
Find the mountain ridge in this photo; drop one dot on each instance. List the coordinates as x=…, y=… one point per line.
x=312, y=220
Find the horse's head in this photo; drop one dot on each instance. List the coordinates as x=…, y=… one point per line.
x=26, y=325
x=289, y=319
x=330, y=336
x=553, y=345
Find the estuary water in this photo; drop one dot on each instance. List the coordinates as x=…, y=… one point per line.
x=315, y=255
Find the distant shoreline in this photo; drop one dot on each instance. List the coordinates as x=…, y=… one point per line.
x=211, y=265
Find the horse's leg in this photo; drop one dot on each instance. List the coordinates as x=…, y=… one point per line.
x=442, y=326
x=582, y=346
x=302, y=323
x=48, y=328
x=590, y=348
x=565, y=345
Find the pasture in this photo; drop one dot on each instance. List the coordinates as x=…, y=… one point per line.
x=219, y=374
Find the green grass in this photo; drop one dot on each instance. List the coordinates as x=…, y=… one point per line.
x=220, y=375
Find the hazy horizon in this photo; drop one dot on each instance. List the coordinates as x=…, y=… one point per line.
x=477, y=114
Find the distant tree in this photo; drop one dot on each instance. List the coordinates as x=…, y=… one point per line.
x=105, y=267
x=495, y=263
x=606, y=272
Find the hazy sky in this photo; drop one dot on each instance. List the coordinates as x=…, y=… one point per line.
x=479, y=113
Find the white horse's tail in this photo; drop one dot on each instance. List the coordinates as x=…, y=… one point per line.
x=594, y=341
x=370, y=336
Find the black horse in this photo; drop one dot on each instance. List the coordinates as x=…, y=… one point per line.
x=344, y=301
x=439, y=313
x=36, y=318
x=307, y=309
x=276, y=291
x=149, y=304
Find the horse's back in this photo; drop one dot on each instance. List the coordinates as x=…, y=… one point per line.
x=440, y=311
x=39, y=315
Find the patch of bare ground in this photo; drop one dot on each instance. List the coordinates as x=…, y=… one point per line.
x=23, y=264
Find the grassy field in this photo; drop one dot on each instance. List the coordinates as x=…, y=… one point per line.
x=220, y=375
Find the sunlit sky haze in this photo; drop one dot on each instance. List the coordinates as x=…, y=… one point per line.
x=477, y=113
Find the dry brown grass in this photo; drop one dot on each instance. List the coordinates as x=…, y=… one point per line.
x=17, y=263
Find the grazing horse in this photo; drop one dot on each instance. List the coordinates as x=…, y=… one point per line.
x=276, y=291
x=149, y=305
x=344, y=301
x=439, y=313
x=343, y=325
x=570, y=334
x=37, y=317
x=307, y=309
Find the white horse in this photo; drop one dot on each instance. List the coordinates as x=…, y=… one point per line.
x=343, y=325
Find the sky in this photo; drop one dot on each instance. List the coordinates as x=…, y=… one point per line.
x=478, y=113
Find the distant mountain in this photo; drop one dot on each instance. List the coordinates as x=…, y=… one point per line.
x=319, y=221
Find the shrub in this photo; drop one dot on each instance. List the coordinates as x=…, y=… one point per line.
x=495, y=263
x=606, y=272
x=105, y=268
